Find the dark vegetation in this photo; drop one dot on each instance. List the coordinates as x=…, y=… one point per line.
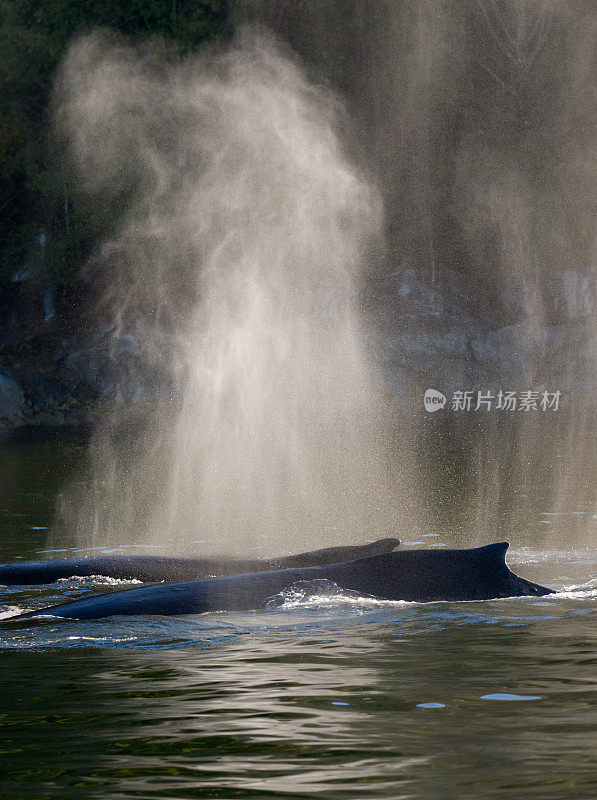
x=47, y=229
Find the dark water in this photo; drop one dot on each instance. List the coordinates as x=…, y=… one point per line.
x=321, y=699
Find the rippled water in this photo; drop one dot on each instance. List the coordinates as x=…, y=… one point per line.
x=325, y=697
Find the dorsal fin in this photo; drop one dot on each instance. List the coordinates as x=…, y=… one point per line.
x=496, y=551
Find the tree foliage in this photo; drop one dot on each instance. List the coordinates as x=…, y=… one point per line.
x=45, y=230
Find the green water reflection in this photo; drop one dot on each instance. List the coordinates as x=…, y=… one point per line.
x=316, y=703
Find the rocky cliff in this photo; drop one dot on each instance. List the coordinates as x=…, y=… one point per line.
x=61, y=368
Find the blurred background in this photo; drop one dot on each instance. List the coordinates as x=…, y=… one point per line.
x=471, y=124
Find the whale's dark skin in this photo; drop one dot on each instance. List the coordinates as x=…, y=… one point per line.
x=151, y=569
x=416, y=575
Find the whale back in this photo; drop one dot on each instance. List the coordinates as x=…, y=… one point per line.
x=411, y=575
x=427, y=575
x=333, y=555
x=163, y=568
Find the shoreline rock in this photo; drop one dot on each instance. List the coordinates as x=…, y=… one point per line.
x=63, y=372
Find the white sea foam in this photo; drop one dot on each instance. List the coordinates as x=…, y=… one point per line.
x=12, y=611
x=582, y=591
x=96, y=580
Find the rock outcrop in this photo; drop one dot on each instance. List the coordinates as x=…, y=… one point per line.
x=447, y=335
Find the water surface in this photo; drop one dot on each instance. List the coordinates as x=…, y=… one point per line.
x=320, y=699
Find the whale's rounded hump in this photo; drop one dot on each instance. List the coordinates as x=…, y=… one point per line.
x=333, y=555
x=152, y=568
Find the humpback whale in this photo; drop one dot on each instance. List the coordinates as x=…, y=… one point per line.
x=416, y=575
x=151, y=569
